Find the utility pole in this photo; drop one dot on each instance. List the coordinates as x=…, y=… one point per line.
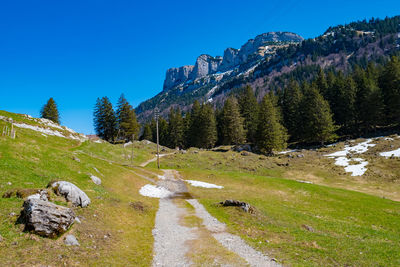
x=133, y=138
x=157, y=114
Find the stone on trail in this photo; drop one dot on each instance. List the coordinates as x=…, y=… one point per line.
x=71, y=193
x=45, y=218
x=70, y=240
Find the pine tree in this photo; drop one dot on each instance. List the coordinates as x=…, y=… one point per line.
x=390, y=83
x=127, y=122
x=232, y=132
x=202, y=131
x=175, y=129
x=292, y=97
x=342, y=102
x=369, y=101
x=194, y=124
x=105, y=121
x=147, y=134
x=249, y=111
x=49, y=111
x=317, y=123
x=207, y=127
x=271, y=135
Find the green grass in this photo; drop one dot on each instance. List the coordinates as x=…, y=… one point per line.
x=350, y=228
x=32, y=161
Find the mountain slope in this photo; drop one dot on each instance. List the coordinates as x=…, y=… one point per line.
x=260, y=62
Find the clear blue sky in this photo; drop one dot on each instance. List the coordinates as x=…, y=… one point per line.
x=76, y=51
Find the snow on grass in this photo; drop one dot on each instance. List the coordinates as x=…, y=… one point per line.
x=357, y=169
x=203, y=184
x=341, y=157
x=287, y=151
x=39, y=129
x=155, y=191
x=394, y=153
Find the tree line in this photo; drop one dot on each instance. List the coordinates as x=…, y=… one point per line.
x=310, y=112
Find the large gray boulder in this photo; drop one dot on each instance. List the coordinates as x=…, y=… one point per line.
x=46, y=218
x=71, y=193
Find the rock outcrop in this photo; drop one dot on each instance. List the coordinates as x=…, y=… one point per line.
x=71, y=193
x=252, y=50
x=45, y=218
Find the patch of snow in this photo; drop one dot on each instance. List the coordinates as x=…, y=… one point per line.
x=161, y=177
x=357, y=169
x=98, y=141
x=287, y=151
x=155, y=191
x=394, y=153
x=342, y=160
x=203, y=184
x=39, y=129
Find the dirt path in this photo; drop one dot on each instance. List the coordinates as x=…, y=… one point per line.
x=171, y=238
x=144, y=164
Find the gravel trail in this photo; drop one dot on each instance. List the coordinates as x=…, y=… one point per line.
x=170, y=236
x=231, y=242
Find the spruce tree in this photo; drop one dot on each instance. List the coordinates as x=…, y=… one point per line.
x=175, y=129
x=207, y=127
x=194, y=124
x=105, y=120
x=231, y=123
x=390, y=83
x=271, y=134
x=147, y=133
x=49, y=111
x=292, y=97
x=317, y=123
x=249, y=110
x=127, y=122
x=369, y=101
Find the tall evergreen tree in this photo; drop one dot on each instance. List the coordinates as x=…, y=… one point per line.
x=292, y=97
x=249, y=110
x=317, y=123
x=127, y=123
x=208, y=127
x=231, y=123
x=271, y=135
x=390, y=83
x=105, y=120
x=369, y=102
x=175, y=129
x=147, y=133
x=194, y=124
x=49, y=111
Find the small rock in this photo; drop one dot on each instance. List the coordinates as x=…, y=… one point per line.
x=300, y=155
x=245, y=153
x=9, y=183
x=308, y=228
x=70, y=240
x=77, y=220
x=76, y=159
x=95, y=179
x=12, y=214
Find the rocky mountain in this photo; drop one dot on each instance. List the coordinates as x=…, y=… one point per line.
x=252, y=51
x=270, y=59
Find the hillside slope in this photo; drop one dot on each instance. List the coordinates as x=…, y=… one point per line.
x=262, y=61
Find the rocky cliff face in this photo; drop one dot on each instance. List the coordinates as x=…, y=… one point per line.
x=253, y=50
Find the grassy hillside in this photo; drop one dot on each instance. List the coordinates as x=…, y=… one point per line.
x=112, y=230
x=298, y=223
